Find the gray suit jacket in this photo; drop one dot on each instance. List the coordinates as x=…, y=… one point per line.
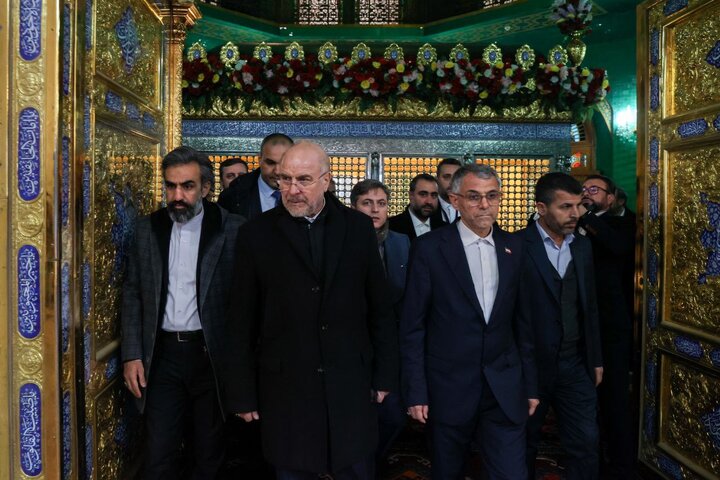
x=145, y=288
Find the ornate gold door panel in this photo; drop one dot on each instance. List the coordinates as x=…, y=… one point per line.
x=679, y=173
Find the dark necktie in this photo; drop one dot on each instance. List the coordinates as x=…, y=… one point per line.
x=276, y=195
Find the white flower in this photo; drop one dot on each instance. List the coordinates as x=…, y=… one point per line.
x=282, y=89
x=269, y=74
x=247, y=78
x=445, y=87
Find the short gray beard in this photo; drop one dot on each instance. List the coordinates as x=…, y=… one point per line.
x=187, y=215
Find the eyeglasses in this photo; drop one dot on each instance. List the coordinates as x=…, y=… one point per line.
x=593, y=189
x=474, y=198
x=285, y=181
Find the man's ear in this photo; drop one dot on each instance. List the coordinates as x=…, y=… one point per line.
x=205, y=189
x=540, y=208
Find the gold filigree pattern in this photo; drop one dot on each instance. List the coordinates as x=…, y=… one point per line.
x=143, y=79
x=690, y=393
x=693, y=82
x=692, y=173
x=406, y=109
x=30, y=77
x=30, y=221
x=115, y=447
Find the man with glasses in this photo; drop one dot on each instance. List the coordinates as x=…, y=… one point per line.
x=467, y=358
x=557, y=297
x=257, y=192
x=422, y=214
x=315, y=335
x=613, y=240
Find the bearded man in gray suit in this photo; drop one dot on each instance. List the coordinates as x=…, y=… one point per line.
x=173, y=317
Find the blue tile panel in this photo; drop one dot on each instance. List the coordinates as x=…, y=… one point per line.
x=30, y=410
x=28, y=149
x=28, y=278
x=30, y=29
x=693, y=128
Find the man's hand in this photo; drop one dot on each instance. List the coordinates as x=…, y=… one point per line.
x=532, y=405
x=419, y=413
x=134, y=374
x=598, y=375
x=249, y=416
x=380, y=396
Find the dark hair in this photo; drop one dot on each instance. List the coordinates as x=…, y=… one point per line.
x=275, y=139
x=422, y=176
x=184, y=155
x=364, y=186
x=479, y=170
x=620, y=194
x=550, y=183
x=448, y=161
x=232, y=161
x=611, y=187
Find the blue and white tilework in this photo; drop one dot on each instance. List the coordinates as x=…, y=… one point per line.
x=28, y=278
x=87, y=348
x=654, y=156
x=112, y=367
x=710, y=239
x=86, y=289
x=674, y=6
x=89, y=452
x=65, y=192
x=86, y=188
x=30, y=29
x=652, y=267
x=88, y=25
x=655, y=46
x=66, y=48
x=651, y=378
x=66, y=435
x=713, y=56
x=711, y=421
x=30, y=407
x=65, y=305
x=652, y=312
x=715, y=357
x=113, y=102
x=132, y=112
x=688, y=347
x=649, y=421
x=126, y=32
x=654, y=202
x=28, y=163
x=693, y=128
x=654, y=92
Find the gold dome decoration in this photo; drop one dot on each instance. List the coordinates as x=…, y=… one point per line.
x=327, y=53
x=229, y=54
x=196, y=51
x=360, y=52
x=557, y=55
x=262, y=52
x=426, y=54
x=459, y=52
x=525, y=56
x=394, y=52
x=294, y=51
x=492, y=54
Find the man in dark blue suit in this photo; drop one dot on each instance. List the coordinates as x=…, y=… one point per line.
x=467, y=363
x=557, y=297
x=372, y=197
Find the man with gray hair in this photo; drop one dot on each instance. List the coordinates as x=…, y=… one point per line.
x=174, y=301
x=467, y=356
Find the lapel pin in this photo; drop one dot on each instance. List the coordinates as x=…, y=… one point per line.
x=508, y=251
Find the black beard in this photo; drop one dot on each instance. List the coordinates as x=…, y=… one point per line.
x=184, y=216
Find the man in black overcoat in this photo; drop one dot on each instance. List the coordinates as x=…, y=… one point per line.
x=314, y=331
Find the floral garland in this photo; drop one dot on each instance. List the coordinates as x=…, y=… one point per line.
x=572, y=16
x=463, y=84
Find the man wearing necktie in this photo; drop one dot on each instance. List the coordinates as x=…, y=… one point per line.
x=467, y=359
x=445, y=171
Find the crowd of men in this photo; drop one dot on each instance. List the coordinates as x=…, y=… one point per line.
x=314, y=331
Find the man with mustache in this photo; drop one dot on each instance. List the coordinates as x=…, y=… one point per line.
x=174, y=301
x=315, y=336
x=257, y=192
x=557, y=297
x=422, y=214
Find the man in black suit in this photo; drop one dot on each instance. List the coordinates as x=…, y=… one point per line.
x=557, y=297
x=257, y=192
x=612, y=239
x=315, y=336
x=174, y=301
x=467, y=364
x=422, y=214
x=372, y=198
x=445, y=171
x=230, y=169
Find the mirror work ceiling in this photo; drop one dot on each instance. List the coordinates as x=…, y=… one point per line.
x=517, y=23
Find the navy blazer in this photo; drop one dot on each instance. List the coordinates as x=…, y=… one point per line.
x=397, y=251
x=243, y=196
x=447, y=347
x=539, y=302
x=402, y=223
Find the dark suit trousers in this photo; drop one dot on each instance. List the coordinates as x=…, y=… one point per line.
x=392, y=418
x=501, y=442
x=362, y=470
x=573, y=397
x=182, y=386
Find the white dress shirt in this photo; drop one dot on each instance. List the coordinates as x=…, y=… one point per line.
x=267, y=201
x=559, y=256
x=181, y=308
x=419, y=226
x=482, y=260
x=449, y=213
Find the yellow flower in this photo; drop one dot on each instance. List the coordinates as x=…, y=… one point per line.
x=512, y=88
x=449, y=64
x=365, y=84
x=400, y=67
x=201, y=77
x=216, y=78
x=290, y=73
x=484, y=94
x=499, y=64
x=508, y=72
x=585, y=72
x=419, y=77
x=605, y=84
x=185, y=84
x=404, y=86
x=554, y=68
x=376, y=64
x=238, y=85
x=433, y=66
x=318, y=76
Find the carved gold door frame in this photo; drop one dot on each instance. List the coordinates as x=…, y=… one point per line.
x=679, y=178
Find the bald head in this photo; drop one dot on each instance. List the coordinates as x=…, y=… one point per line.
x=304, y=177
